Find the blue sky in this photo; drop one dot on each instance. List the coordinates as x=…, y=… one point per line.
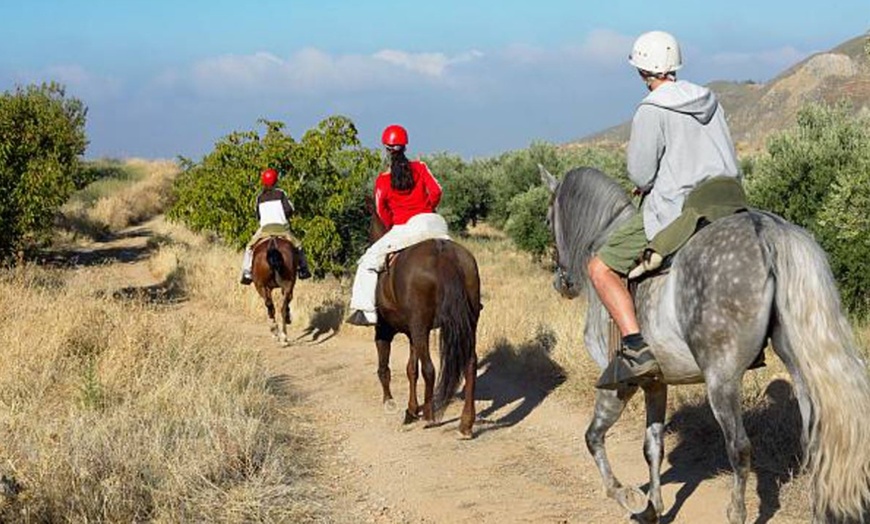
x=164, y=78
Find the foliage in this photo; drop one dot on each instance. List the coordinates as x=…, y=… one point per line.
x=325, y=175
x=467, y=190
x=516, y=172
x=816, y=175
x=42, y=136
x=527, y=222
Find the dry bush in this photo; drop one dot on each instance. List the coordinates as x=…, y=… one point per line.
x=119, y=411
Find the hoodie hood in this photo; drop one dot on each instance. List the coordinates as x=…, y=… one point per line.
x=685, y=97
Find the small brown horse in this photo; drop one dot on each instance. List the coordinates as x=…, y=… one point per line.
x=275, y=267
x=433, y=284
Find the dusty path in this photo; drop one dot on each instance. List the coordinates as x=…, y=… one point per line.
x=528, y=462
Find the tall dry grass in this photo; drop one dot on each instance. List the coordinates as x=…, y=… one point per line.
x=112, y=204
x=119, y=411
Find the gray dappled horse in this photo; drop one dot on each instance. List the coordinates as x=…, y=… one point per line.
x=736, y=283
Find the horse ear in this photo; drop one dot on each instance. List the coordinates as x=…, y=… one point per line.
x=549, y=180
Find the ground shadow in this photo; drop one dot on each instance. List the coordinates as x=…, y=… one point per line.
x=326, y=319
x=92, y=257
x=517, y=377
x=773, y=427
x=170, y=291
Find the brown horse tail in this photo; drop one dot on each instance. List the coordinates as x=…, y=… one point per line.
x=457, y=317
x=275, y=260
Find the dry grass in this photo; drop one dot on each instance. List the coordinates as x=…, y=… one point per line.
x=110, y=205
x=119, y=411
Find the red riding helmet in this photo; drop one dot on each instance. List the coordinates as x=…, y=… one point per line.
x=394, y=135
x=269, y=177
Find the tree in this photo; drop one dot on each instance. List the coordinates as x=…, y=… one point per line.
x=817, y=175
x=326, y=175
x=42, y=137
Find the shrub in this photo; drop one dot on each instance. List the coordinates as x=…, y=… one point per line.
x=816, y=175
x=467, y=190
x=527, y=223
x=325, y=175
x=42, y=136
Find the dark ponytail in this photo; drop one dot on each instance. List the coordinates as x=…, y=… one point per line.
x=401, y=178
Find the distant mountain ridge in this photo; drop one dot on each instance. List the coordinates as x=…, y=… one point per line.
x=756, y=110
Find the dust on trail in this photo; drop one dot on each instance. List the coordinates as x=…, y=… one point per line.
x=527, y=463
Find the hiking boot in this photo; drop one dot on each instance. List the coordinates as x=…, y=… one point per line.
x=246, y=279
x=362, y=318
x=302, y=272
x=629, y=367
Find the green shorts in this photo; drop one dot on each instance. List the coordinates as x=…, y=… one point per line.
x=623, y=249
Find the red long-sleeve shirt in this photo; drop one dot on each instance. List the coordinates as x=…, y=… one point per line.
x=397, y=207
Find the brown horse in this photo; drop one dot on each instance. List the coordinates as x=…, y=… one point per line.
x=433, y=284
x=275, y=267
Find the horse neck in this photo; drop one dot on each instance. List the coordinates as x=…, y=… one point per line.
x=591, y=206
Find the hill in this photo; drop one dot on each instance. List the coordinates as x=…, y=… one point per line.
x=756, y=110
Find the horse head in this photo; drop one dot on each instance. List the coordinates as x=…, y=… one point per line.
x=562, y=280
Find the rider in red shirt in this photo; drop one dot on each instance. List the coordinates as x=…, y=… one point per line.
x=396, y=207
x=406, y=197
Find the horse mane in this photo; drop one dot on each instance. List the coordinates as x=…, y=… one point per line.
x=590, y=205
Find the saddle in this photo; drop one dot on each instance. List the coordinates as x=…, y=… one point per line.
x=711, y=200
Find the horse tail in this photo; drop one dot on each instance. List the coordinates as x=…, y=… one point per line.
x=457, y=316
x=275, y=260
x=817, y=345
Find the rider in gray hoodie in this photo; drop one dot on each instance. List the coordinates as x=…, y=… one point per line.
x=679, y=138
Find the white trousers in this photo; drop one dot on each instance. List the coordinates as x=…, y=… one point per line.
x=420, y=227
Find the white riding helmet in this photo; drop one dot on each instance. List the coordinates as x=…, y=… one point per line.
x=657, y=52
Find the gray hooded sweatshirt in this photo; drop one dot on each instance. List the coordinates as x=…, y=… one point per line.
x=679, y=138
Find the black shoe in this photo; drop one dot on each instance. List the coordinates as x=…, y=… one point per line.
x=245, y=280
x=630, y=367
x=302, y=271
x=358, y=318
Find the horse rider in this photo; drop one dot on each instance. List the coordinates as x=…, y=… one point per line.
x=274, y=210
x=406, y=197
x=679, y=139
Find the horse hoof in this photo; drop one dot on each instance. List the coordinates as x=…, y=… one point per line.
x=390, y=406
x=463, y=435
x=633, y=500
x=410, y=418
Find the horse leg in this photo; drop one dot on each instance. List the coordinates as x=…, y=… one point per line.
x=383, y=341
x=608, y=408
x=725, y=400
x=286, y=297
x=468, y=414
x=420, y=344
x=266, y=293
x=412, y=413
x=656, y=399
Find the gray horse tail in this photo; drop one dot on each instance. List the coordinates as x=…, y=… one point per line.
x=813, y=338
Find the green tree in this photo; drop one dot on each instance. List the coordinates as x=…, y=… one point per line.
x=325, y=174
x=816, y=175
x=42, y=137
x=527, y=223
x=467, y=190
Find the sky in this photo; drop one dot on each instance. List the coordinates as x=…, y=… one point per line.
x=163, y=78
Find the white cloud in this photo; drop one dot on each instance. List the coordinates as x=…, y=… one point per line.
x=428, y=64
x=312, y=71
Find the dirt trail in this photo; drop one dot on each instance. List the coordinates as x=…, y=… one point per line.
x=528, y=462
